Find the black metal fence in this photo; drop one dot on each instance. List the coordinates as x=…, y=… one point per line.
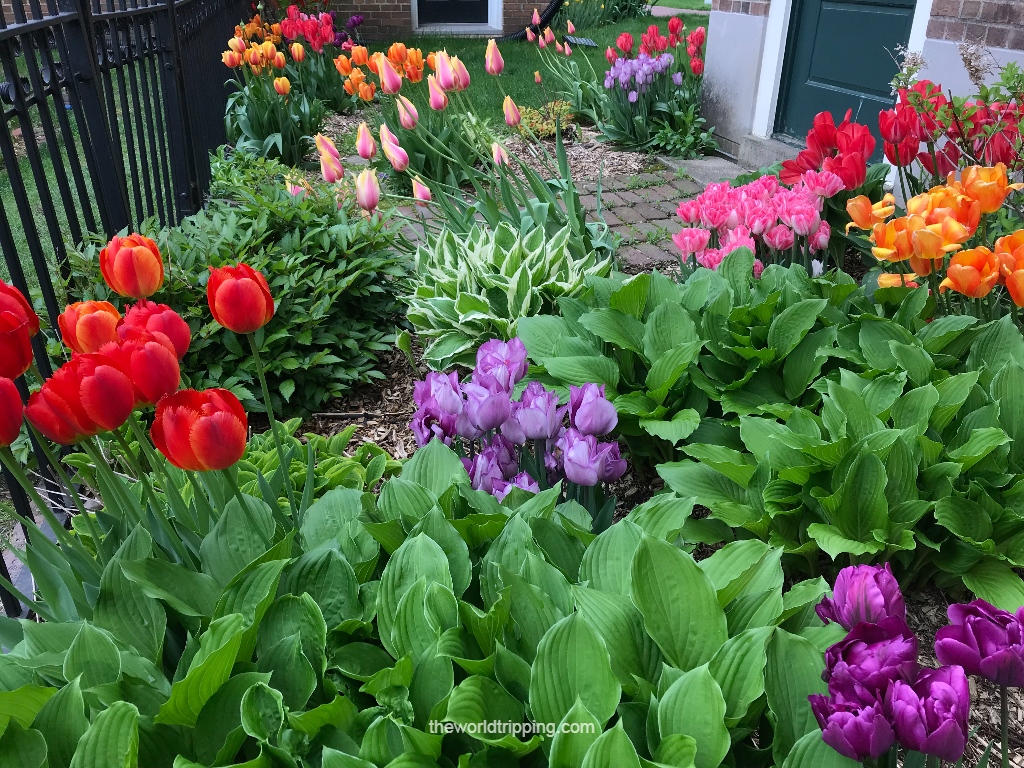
x=110, y=110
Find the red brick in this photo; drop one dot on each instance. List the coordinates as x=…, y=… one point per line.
x=971, y=9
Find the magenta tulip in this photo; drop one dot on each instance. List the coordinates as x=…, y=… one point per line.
x=863, y=593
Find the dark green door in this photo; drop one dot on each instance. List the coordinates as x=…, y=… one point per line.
x=452, y=11
x=839, y=57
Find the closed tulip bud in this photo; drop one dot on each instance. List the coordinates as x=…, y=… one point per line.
x=856, y=731
x=231, y=59
x=549, y=36
x=200, y=431
x=149, y=362
x=438, y=98
x=390, y=79
x=373, y=63
x=132, y=266
x=360, y=55
x=536, y=18
x=512, y=116
x=580, y=458
x=537, y=412
x=85, y=326
x=160, y=320
x=536, y=77
x=863, y=593
x=12, y=300
x=87, y=395
x=366, y=91
x=567, y=50
x=558, y=47
x=420, y=191
x=330, y=160
x=282, y=85
x=407, y=114
x=493, y=62
x=486, y=409
x=398, y=54
x=498, y=154
x=239, y=298
x=10, y=412
x=343, y=64
x=397, y=156
x=432, y=61
x=590, y=412
x=542, y=43
x=571, y=28
x=367, y=190
x=366, y=147
x=445, y=71
x=279, y=60
x=268, y=50
x=298, y=52
x=237, y=44
x=530, y=35
x=15, y=346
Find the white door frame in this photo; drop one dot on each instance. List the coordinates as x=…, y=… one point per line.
x=492, y=27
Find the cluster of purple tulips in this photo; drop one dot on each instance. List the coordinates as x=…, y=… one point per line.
x=523, y=443
x=879, y=696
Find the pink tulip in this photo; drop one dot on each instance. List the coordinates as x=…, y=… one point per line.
x=445, y=71
x=461, y=74
x=558, y=47
x=420, y=191
x=390, y=80
x=397, y=156
x=570, y=28
x=499, y=154
x=493, y=62
x=779, y=238
x=691, y=240
x=541, y=43
x=407, y=114
x=611, y=55
x=366, y=147
x=536, y=18
x=438, y=98
x=367, y=190
x=330, y=160
x=819, y=240
x=294, y=189
x=549, y=36
x=530, y=36
x=567, y=50
x=512, y=116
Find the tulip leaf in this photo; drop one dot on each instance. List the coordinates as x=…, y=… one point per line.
x=689, y=632
x=572, y=661
x=693, y=706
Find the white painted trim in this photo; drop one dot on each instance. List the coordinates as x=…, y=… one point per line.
x=492, y=27
x=919, y=26
x=772, y=58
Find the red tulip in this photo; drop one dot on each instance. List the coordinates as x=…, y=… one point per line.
x=12, y=300
x=200, y=430
x=851, y=168
x=15, y=347
x=901, y=154
x=625, y=43
x=10, y=412
x=85, y=326
x=697, y=66
x=86, y=396
x=160, y=320
x=147, y=360
x=132, y=266
x=239, y=298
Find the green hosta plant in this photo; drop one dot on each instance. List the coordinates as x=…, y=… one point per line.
x=365, y=634
x=476, y=287
x=915, y=460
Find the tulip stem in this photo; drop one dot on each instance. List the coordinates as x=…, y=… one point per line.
x=156, y=461
x=1004, y=706
x=245, y=507
x=273, y=428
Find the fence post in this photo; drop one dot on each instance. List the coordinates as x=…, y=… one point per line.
x=179, y=130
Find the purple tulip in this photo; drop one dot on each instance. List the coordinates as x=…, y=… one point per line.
x=985, y=641
x=589, y=410
x=863, y=593
x=483, y=471
x=511, y=428
x=431, y=422
x=504, y=453
x=861, y=667
x=442, y=389
x=464, y=428
x=499, y=364
x=579, y=457
x=354, y=21
x=930, y=716
x=677, y=78
x=501, y=488
x=610, y=467
x=856, y=732
x=486, y=409
x=537, y=412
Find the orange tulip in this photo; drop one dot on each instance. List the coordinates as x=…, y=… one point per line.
x=350, y=87
x=1015, y=286
x=253, y=57
x=865, y=215
x=343, y=65
x=357, y=77
x=892, y=240
x=973, y=273
x=282, y=85
x=366, y=91
x=279, y=60
x=1013, y=243
x=132, y=266
x=413, y=74
x=989, y=186
x=432, y=61
x=415, y=58
x=85, y=326
x=398, y=54
x=894, y=280
x=237, y=44
x=373, y=63
x=231, y=59
x=268, y=50
x=360, y=55
x=945, y=202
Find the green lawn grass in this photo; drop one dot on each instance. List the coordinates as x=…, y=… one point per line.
x=522, y=59
x=693, y=5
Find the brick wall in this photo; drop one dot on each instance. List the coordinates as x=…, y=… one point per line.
x=382, y=19
x=748, y=7
x=996, y=23
x=516, y=15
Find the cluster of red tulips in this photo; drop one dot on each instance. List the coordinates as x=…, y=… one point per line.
x=120, y=364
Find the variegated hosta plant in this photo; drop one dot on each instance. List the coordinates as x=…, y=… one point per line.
x=469, y=288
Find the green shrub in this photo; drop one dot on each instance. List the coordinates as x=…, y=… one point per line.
x=346, y=640
x=466, y=290
x=543, y=122
x=334, y=275
x=259, y=120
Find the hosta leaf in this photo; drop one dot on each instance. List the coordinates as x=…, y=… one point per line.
x=612, y=748
x=607, y=563
x=62, y=721
x=580, y=370
x=94, y=656
x=295, y=614
x=23, y=749
x=185, y=591
x=507, y=552
x=979, y=445
x=615, y=327
x=436, y=467
x=678, y=428
x=792, y=324
x=863, y=507
x=112, y=740
x=668, y=327
x=328, y=578
x=478, y=700
x=688, y=478
x=835, y=543
x=966, y=518
x=812, y=752
x=234, y=542
x=576, y=733
x=572, y=661
x=693, y=706
x=690, y=631
x=793, y=673
x=738, y=668
x=218, y=733
x=996, y=583
x=633, y=652
x=419, y=557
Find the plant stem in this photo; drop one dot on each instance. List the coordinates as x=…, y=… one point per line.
x=273, y=429
x=1004, y=725
x=158, y=463
x=245, y=506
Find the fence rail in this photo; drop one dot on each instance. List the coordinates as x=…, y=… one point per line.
x=110, y=110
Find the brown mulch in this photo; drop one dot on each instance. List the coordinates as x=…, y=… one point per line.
x=589, y=159
x=926, y=614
